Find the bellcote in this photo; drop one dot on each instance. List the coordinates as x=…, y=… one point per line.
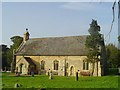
x=26, y=35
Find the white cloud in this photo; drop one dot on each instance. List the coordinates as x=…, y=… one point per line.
x=85, y=6
x=77, y=6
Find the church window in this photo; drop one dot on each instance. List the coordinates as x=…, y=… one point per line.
x=85, y=65
x=56, y=65
x=42, y=65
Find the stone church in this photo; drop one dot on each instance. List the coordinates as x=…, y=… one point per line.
x=64, y=56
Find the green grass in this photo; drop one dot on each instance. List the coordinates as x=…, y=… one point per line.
x=0, y=80
x=42, y=81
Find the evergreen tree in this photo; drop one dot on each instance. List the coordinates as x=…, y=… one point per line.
x=93, y=43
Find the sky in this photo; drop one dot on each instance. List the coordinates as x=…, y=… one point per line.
x=56, y=19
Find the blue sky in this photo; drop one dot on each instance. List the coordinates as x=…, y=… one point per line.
x=54, y=19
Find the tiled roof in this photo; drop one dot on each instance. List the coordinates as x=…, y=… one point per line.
x=71, y=45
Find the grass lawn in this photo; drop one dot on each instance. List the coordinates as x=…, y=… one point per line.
x=42, y=81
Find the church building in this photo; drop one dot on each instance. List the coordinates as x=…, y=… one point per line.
x=64, y=56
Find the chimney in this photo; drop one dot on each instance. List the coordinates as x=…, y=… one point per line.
x=26, y=35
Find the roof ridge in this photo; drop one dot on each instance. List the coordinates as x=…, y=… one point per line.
x=58, y=37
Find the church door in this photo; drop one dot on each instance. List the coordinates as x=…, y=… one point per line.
x=71, y=71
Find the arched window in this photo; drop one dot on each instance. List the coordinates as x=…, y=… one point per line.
x=56, y=65
x=85, y=65
x=42, y=65
x=71, y=70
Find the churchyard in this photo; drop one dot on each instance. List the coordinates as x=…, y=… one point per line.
x=42, y=81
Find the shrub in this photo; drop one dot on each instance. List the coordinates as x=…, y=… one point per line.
x=112, y=71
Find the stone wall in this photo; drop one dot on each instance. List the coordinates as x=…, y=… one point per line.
x=75, y=63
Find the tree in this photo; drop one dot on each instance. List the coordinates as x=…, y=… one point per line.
x=93, y=42
x=17, y=40
x=119, y=38
x=3, y=58
x=112, y=56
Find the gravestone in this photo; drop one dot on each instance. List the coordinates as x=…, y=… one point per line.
x=16, y=71
x=39, y=72
x=32, y=73
x=16, y=85
x=50, y=75
x=5, y=69
x=18, y=74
